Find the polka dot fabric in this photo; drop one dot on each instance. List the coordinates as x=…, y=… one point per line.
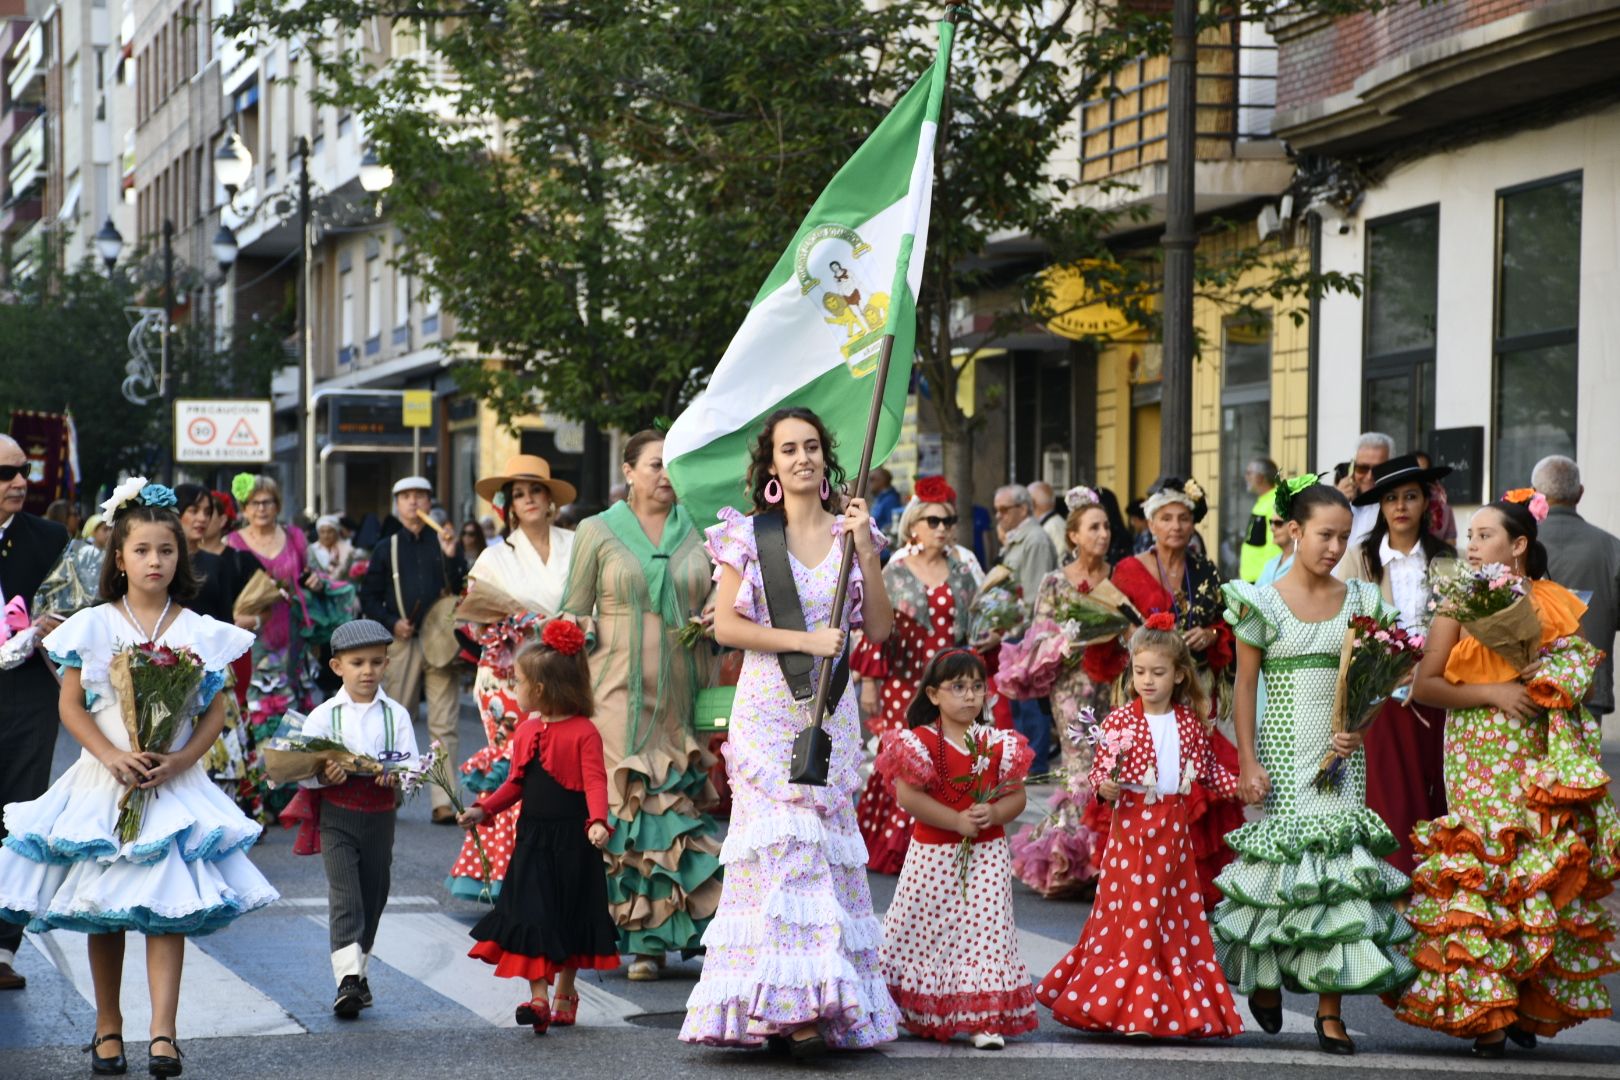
x=1307, y=901
x=485, y=771
x=885, y=827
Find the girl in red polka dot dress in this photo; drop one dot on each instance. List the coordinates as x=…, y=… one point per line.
x=950, y=949
x=1145, y=964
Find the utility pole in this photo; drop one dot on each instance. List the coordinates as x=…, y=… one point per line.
x=306, y=335
x=1180, y=238
x=165, y=376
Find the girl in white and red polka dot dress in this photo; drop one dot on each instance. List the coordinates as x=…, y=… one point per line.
x=1145, y=964
x=950, y=949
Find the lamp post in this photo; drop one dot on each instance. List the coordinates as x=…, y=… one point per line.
x=1180, y=238
x=109, y=243
x=165, y=381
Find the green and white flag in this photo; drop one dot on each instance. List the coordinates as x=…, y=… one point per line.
x=815, y=331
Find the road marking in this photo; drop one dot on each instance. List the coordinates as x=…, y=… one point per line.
x=432, y=949
x=321, y=902
x=1228, y=1056
x=214, y=1002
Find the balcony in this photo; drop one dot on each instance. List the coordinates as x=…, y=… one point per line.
x=28, y=158
x=1124, y=133
x=18, y=214
x=24, y=255
x=27, y=80
x=15, y=120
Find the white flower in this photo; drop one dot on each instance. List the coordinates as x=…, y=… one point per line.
x=123, y=493
x=1192, y=489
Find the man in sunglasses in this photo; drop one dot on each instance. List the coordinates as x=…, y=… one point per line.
x=29, y=549
x=1372, y=449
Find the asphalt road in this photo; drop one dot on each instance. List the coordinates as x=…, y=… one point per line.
x=256, y=1003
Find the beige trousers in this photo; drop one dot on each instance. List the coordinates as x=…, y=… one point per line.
x=407, y=670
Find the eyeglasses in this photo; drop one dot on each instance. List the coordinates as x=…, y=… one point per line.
x=262, y=504
x=1277, y=523
x=964, y=689
x=1361, y=469
x=934, y=521
x=8, y=473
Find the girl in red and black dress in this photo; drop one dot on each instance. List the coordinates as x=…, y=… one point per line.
x=551, y=917
x=950, y=949
x=1145, y=964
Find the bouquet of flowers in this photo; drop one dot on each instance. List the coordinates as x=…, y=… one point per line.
x=157, y=692
x=290, y=757
x=18, y=634
x=693, y=632
x=1096, y=614
x=73, y=584
x=998, y=609
x=980, y=746
x=1113, y=742
x=1028, y=668
x=1492, y=603
x=1376, y=657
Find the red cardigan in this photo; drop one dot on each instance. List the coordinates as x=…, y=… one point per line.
x=1197, y=756
x=570, y=750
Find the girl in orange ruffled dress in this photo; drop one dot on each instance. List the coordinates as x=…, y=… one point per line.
x=1512, y=940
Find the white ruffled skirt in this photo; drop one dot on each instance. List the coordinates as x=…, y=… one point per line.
x=187, y=872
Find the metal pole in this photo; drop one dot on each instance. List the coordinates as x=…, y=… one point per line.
x=416, y=451
x=306, y=336
x=165, y=383
x=1180, y=238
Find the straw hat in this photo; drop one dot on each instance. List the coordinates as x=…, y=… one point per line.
x=528, y=467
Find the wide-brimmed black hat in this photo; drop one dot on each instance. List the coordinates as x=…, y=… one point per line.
x=1395, y=472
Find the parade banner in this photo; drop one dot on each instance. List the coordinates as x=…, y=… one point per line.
x=814, y=334
x=45, y=441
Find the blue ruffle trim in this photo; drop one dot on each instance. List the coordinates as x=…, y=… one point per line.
x=466, y=888
x=482, y=780
x=69, y=659
x=213, y=682
x=139, y=919
x=40, y=849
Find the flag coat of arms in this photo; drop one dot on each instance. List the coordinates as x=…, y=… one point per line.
x=813, y=337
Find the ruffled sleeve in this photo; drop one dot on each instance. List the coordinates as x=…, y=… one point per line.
x=902, y=756
x=1246, y=616
x=216, y=644
x=85, y=642
x=1016, y=756
x=731, y=543
x=1559, y=609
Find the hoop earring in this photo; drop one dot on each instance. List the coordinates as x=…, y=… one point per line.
x=826, y=489
x=773, y=491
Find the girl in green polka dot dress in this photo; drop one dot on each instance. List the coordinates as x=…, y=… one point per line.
x=1307, y=904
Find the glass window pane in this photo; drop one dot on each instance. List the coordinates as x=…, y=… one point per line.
x=1389, y=408
x=1245, y=435
x=1246, y=353
x=1403, y=274
x=1541, y=259
x=1535, y=411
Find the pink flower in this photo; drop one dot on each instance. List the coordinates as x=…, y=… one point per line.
x=1538, y=506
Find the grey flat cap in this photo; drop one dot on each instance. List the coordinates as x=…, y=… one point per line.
x=359, y=634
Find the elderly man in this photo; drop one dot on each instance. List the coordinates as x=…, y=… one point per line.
x=410, y=570
x=1050, y=517
x=1586, y=559
x=29, y=549
x=1372, y=449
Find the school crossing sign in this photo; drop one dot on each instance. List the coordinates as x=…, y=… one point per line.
x=211, y=432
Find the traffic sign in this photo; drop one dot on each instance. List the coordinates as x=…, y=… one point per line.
x=418, y=408
x=219, y=431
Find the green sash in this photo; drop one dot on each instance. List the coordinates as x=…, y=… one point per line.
x=654, y=560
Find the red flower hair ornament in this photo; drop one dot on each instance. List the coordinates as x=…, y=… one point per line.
x=563, y=636
x=1162, y=620
x=934, y=489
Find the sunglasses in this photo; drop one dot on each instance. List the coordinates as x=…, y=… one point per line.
x=8, y=473
x=934, y=521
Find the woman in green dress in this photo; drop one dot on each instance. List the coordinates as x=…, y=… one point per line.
x=1308, y=900
x=639, y=573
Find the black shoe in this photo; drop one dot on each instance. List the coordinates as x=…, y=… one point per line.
x=1483, y=1049
x=1327, y=1042
x=163, y=1064
x=1269, y=1017
x=113, y=1066
x=803, y=1049
x=365, y=993
x=777, y=1045
x=1523, y=1039
x=350, y=998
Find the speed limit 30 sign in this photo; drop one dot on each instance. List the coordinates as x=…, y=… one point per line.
x=222, y=431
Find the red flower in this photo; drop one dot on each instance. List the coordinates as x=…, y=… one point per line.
x=1162, y=620
x=563, y=636
x=1104, y=661
x=934, y=489
x=162, y=656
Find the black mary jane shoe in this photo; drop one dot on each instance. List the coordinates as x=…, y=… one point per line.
x=1328, y=1043
x=163, y=1064
x=1524, y=1040
x=1269, y=1017
x=1483, y=1049
x=113, y=1066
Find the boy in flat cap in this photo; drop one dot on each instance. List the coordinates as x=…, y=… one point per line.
x=355, y=814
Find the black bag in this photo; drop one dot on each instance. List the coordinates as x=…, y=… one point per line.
x=812, y=750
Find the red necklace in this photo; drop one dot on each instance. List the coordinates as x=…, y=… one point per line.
x=941, y=773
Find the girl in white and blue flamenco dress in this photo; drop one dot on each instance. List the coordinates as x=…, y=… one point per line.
x=186, y=872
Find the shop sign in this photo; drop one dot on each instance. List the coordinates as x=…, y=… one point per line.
x=1075, y=309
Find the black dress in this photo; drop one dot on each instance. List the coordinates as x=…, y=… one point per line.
x=552, y=911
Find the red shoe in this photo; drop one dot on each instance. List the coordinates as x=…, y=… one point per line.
x=564, y=1009
x=536, y=1013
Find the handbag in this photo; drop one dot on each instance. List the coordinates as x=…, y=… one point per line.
x=438, y=627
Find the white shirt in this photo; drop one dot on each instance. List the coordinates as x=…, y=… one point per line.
x=1166, y=753
x=1408, y=581
x=1362, y=520
x=372, y=729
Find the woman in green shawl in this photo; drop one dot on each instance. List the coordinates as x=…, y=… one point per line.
x=639, y=573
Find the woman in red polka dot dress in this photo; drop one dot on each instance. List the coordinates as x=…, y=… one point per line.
x=950, y=949
x=1145, y=964
x=931, y=589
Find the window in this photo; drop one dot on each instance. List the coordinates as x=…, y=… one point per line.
x=430, y=312
x=373, y=304
x=1538, y=265
x=1397, y=363
x=402, y=307
x=346, y=315
x=1245, y=425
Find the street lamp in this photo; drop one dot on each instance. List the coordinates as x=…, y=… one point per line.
x=374, y=175
x=225, y=249
x=233, y=163
x=109, y=242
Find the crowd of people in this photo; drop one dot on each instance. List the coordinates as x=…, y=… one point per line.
x=1454, y=864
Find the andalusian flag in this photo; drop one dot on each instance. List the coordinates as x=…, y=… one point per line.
x=812, y=338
